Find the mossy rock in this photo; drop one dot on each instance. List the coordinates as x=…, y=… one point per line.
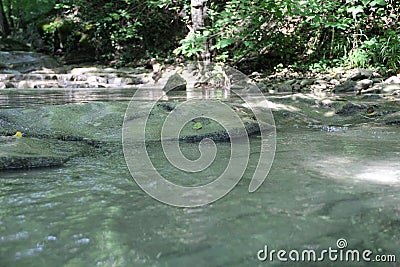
x=191, y=130
x=101, y=122
x=89, y=122
x=25, y=153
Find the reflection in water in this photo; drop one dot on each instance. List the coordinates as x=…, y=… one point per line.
x=38, y=97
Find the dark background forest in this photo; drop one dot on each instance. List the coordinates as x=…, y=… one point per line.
x=249, y=34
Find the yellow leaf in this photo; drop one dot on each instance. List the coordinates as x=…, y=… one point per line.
x=18, y=134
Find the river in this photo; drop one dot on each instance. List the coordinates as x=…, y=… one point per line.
x=324, y=185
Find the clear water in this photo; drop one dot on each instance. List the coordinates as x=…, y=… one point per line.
x=323, y=186
x=11, y=98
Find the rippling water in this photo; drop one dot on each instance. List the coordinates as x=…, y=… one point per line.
x=323, y=186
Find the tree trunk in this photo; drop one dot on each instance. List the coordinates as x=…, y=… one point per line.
x=199, y=15
x=4, y=27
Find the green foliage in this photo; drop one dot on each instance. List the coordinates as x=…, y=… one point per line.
x=191, y=45
x=120, y=31
x=197, y=126
x=308, y=33
x=287, y=32
x=357, y=57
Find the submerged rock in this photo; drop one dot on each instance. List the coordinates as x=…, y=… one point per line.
x=90, y=122
x=175, y=82
x=350, y=109
x=100, y=122
x=189, y=131
x=23, y=153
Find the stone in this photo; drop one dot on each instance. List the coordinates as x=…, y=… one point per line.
x=321, y=82
x=296, y=87
x=91, y=122
x=306, y=82
x=393, y=118
x=137, y=117
x=262, y=86
x=376, y=89
x=318, y=87
x=390, y=88
x=10, y=85
x=362, y=85
x=24, y=153
x=334, y=82
x=25, y=62
x=393, y=79
x=361, y=74
x=350, y=109
x=175, y=82
x=283, y=87
x=101, y=122
x=347, y=86
x=291, y=82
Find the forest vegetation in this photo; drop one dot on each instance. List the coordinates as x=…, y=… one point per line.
x=252, y=35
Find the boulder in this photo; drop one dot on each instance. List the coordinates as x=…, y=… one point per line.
x=350, y=109
x=101, y=122
x=175, y=82
x=283, y=87
x=362, y=85
x=91, y=122
x=361, y=74
x=306, y=82
x=393, y=79
x=390, y=88
x=137, y=117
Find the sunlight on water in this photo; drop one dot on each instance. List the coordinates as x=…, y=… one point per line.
x=386, y=173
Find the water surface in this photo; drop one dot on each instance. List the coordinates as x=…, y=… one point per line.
x=323, y=185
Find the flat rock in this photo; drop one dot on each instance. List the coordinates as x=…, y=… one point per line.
x=393, y=79
x=175, y=82
x=90, y=122
x=137, y=117
x=363, y=84
x=101, y=122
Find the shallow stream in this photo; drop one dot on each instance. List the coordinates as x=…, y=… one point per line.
x=324, y=185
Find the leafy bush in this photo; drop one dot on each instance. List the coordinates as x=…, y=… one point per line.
x=261, y=33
